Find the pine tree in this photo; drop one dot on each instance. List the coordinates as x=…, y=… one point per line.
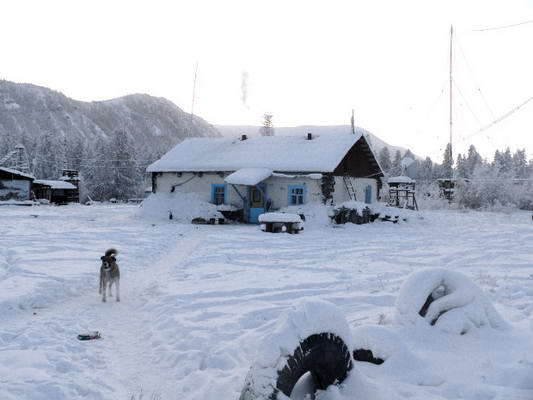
x=268, y=127
x=425, y=172
x=48, y=157
x=96, y=170
x=461, y=169
x=447, y=163
x=472, y=160
x=126, y=179
x=384, y=159
x=409, y=154
x=520, y=167
x=397, y=164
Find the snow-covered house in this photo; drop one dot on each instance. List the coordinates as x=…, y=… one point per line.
x=271, y=172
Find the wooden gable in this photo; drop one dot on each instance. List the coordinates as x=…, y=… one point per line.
x=359, y=162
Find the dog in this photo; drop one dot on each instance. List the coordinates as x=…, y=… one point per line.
x=109, y=274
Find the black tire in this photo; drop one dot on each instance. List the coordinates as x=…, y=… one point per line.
x=325, y=356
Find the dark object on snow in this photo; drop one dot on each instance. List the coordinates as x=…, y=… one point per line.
x=89, y=335
x=170, y=216
x=216, y=221
x=198, y=221
x=344, y=215
x=325, y=356
x=234, y=215
x=278, y=227
x=367, y=356
x=423, y=311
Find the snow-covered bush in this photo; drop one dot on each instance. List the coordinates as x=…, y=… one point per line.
x=428, y=196
x=183, y=207
x=449, y=300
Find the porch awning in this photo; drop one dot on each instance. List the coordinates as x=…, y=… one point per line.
x=248, y=176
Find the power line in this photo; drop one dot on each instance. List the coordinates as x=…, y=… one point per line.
x=474, y=80
x=504, y=116
x=504, y=26
x=466, y=102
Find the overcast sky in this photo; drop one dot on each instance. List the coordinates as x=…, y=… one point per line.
x=305, y=62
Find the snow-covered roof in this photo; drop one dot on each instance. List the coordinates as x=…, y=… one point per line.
x=323, y=153
x=15, y=172
x=69, y=178
x=248, y=176
x=400, y=179
x=55, y=184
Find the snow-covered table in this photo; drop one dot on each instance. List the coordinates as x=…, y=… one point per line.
x=281, y=222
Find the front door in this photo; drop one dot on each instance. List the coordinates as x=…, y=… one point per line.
x=368, y=194
x=256, y=194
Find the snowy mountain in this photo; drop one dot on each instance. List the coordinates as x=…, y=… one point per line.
x=235, y=130
x=29, y=112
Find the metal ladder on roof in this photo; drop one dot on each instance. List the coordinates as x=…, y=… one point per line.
x=349, y=187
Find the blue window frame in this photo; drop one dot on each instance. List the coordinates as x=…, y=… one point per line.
x=218, y=193
x=296, y=194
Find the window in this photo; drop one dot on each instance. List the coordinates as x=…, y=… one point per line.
x=296, y=195
x=218, y=194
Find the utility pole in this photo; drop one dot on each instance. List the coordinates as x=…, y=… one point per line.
x=451, y=89
x=194, y=90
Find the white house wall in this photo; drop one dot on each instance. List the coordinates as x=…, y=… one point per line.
x=340, y=195
x=276, y=188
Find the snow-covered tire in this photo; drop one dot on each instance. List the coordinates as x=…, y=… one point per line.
x=301, y=344
x=446, y=299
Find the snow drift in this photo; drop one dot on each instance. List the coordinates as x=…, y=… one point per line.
x=183, y=206
x=449, y=300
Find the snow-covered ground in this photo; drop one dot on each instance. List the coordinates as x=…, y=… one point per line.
x=196, y=302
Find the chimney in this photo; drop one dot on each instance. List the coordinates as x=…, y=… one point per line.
x=309, y=136
x=243, y=137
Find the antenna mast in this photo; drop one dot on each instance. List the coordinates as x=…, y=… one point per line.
x=194, y=90
x=353, y=123
x=451, y=90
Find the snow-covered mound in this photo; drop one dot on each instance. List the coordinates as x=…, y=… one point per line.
x=317, y=215
x=456, y=304
x=400, y=364
x=183, y=206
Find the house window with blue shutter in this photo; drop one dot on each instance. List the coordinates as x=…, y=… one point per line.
x=296, y=195
x=218, y=193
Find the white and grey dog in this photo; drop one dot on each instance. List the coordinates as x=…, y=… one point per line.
x=109, y=274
